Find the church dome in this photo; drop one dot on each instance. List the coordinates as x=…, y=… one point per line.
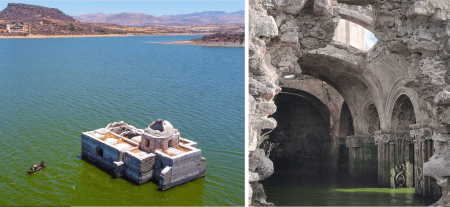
x=160, y=128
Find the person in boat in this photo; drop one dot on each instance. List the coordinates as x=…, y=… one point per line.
x=35, y=167
x=42, y=164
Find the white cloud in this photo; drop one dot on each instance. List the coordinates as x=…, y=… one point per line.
x=369, y=39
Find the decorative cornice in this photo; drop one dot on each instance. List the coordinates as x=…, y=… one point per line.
x=421, y=134
x=391, y=136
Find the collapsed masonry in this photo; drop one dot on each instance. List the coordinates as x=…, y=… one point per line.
x=158, y=153
x=388, y=108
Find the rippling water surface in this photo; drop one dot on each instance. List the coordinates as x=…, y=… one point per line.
x=302, y=189
x=51, y=90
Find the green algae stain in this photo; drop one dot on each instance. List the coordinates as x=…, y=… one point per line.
x=378, y=190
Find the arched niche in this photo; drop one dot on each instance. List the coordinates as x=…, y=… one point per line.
x=397, y=153
x=302, y=137
x=371, y=120
x=402, y=114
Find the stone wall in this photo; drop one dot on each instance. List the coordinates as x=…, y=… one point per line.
x=139, y=168
x=159, y=142
x=410, y=58
x=173, y=171
x=110, y=155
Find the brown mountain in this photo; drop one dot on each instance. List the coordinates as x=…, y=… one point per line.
x=40, y=20
x=26, y=12
x=208, y=17
x=126, y=18
x=140, y=19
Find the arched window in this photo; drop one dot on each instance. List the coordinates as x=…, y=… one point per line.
x=99, y=151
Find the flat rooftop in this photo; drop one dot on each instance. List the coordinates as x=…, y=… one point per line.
x=175, y=151
x=116, y=141
x=139, y=152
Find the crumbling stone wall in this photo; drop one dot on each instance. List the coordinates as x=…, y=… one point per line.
x=290, y=37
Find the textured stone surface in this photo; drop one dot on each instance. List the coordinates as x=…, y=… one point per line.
x=266, y=27
x=411, y=58
x=260, y=164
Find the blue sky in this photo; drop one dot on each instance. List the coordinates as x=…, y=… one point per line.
x=369, y=39
x=155, y=8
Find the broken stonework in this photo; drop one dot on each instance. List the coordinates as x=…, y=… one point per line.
x=260, y=164
x=266, y=27
x=406, y=71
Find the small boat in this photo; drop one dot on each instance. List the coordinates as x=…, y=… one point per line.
x=31, y=170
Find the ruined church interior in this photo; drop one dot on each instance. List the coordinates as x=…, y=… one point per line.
x=332, y=116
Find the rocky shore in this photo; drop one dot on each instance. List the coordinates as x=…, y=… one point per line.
x=104, y=35
x=208, y=44
x=58, y=36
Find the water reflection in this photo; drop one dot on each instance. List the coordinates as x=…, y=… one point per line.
x=392, y=191
x=303, y=189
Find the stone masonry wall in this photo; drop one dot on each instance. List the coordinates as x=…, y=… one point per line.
x=173, y=171
x=139, y=169
x=110, y=154
x=413, y=49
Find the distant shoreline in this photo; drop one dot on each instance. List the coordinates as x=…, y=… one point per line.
x=109, y=35
x=208, y=44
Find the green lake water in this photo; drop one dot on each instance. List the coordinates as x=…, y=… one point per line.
x=51, y=90
x=301, y=189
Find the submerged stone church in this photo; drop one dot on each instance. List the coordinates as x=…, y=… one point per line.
x=157, y=152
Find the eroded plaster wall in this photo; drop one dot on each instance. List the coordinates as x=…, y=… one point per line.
x=295, y=37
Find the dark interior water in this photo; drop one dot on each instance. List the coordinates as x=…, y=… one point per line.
x=51, y=90
x=297, y=188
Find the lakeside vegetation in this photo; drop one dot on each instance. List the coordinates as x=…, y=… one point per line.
x=225, y=37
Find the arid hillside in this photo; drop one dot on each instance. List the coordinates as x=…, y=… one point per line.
x=140, y=19
x=30, y=13
x=25, y=19
x=38, y=20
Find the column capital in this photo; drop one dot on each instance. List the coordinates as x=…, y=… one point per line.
x=419, y=134
x=391, y=136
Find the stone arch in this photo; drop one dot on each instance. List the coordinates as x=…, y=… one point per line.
x=398, y=91
x=360, y=116
x=360, y=15
x=395, y=147
x=357, y=80
x=301, y=116
x=345, y=70
x=329, y=96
